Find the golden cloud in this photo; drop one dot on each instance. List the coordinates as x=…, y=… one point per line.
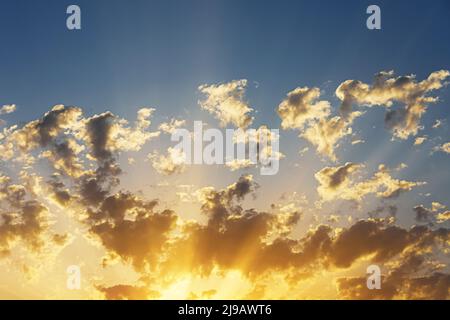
x=386, y=90
x=226, y=102
x=336, y=183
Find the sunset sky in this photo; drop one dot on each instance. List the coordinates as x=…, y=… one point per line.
x=89, y=177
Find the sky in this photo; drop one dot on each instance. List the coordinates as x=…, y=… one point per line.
x=89, y=176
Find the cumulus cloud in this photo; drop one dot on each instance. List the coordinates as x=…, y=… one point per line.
x=443, y=217
x=301, y=106
x=171, y=126
x=27, y=225
x=23, y=219
x=382, y=241
x=419, y=140
x=257, y=242
x=443, y=148
x=435, y=214
x=131, y=228
x=64, y=156
x=423, y=214
x=303, y=110
x=107, y=133
x=337, y=183
x=235, y=238
x=60, y=193
x=326, y=134
x=415, y=276
x=172, y=163
x=8, y=108
x=237, y=164
x=435, y=206
x=82, y=149
x=53, y=134
x=99, y=133
x=43, y=132
x=265, y=144
x=70, y=141
x=387, y=90
x=226, y=103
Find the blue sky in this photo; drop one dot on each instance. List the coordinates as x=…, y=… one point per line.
x=157, y=52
